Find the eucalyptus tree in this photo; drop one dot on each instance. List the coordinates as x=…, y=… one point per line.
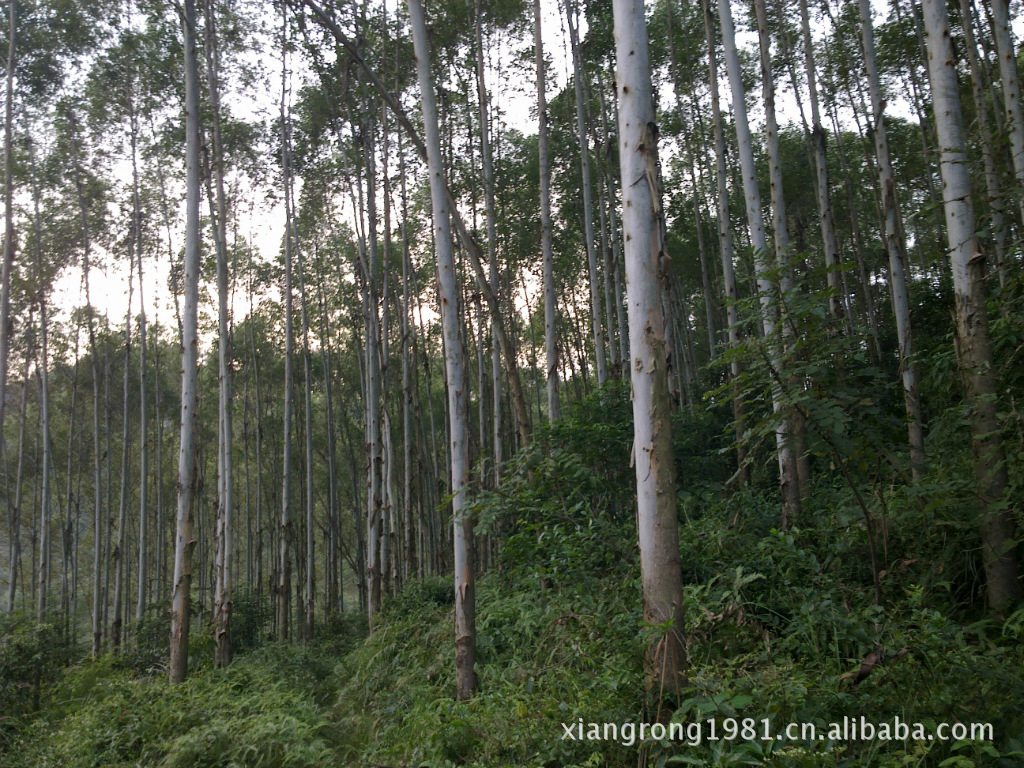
x=284, y=567
x=487, y=170
x=725, y=242
x=9, y=244
x=1011, y=89
x=43, y=369
x=588, y=212
x=69, y=121
x=183, y=540
x=788, y=479
x=895, y=246
x=471, y=247
x=998, y=530
x=987, y=139
x=455, y=365
x=15, y=510
x=225, y=476
x=819, y=143
x=547, y=255
x=646, y=271
x=120, y=90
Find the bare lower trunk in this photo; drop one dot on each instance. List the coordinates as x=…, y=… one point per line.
x=225, y=475
x=284, y=564
x=183, y=541
x=998, y=531
x=646, y=270
x=465, y=621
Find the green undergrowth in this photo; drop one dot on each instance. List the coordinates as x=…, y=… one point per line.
x=781, y=625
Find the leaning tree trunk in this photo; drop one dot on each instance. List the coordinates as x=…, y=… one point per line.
x=646, y=271
x=183, y=541
x=998, y=533
x=458, y=406
x=894, y=247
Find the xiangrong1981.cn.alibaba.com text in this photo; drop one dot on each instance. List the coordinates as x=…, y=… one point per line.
x=749, y=729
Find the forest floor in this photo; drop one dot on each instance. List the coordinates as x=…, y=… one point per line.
x=782, y=627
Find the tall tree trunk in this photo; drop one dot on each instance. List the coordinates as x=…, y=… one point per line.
x=9, y=244
x=895, y=248
x=140, y=598
x=824, y=196
x=43, y=366
x=307, y=364
x=121, y=551
x=588, y=208
x=14, y=532
x=458, y=406
x=998, y=533
x=613, y=227
x=225, y=474
x=469, y=243
x=492, y=235
x=787, y=466
x=985, y=135
x=183, y=541
x=284, y=572
x=97, y=594
x=548, y=259
x=646, y=273
x=407, y=394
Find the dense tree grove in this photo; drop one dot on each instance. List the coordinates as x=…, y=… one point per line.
x=414, y=259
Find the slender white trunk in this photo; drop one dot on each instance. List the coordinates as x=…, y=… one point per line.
x=725, y=246
x=9, y=236
x=492, y=235
x=183, y=541
x=894, y=246
x=284, y=573
x=588, y=210
x=787, y=474
x=225, y=474
x=307, y=364
x=458, y=406
x=998, y=531
x=547, y=256
x=646, y=271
